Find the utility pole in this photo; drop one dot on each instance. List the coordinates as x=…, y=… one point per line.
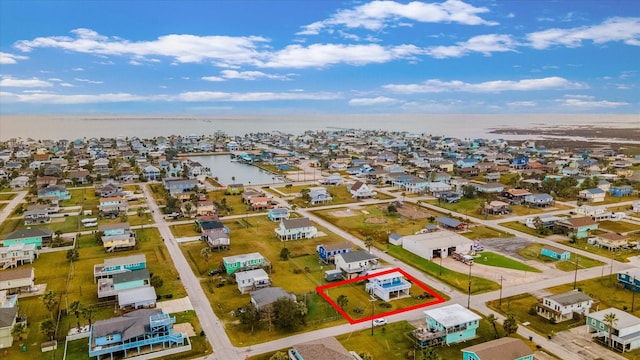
x=373, y=308
x=633, y=295
x=469, y=291
x=500, y=292
x=575, y=276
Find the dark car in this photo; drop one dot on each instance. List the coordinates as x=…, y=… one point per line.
x=215, y=272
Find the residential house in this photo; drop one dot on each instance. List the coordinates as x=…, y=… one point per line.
x=117, y=236
x=214, y=232
x=113, y=206
x=243, y=262
x=260, y=203
x=137, y=298
x=206, y=207
x=57, y=191
x=447, y=325
x=80, y=176
x=611, y=241
x=506, y=348
x=581, y=227
x=489, y=188
x=264, y=297
x=19, y=182
x=177, y=186
x=635, y=206
x=148, y=331
x=516, y=196
x=355, y=263
x=321, y=349
x=234, y=189
x=319, y=195
x=436, y=244
x=597, y=213
x=328, y=252
x=295, y=229
x=622, y=190
x=17, y=280
x=538, y=200
x=151, y=172
x=278, y=214
x=496, y=208
x=8, y=318
x=117, y=265
x=44, y=181
x=388, y=286
x=108, y=188
x=625, y=331
x=592, y=195
x=555, y=252
x=360, y=190
x=36, y=216
x=122, y=281
x=630, y=279
x=36, y=236
x=252, y=280
x=18, y=254
x=519, y=161
x=450, y=223
x=333, y=179
x=564, y=306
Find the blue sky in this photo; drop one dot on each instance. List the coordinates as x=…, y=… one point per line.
x=320, y=56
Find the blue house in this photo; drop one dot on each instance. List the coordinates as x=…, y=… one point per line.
x=620, y=191
x=447, y=325
x=115, y=229
x=328, y=252
x=117, y=265
x=140, y=331
x=34, y=236
x=56, y=191
x=630, y=279
x=506, y=348
x=278, y=214
x=555, y=253
x=466, y=162
x=520, y=161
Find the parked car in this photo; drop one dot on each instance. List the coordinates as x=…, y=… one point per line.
x=380, y=322
x=215, y=272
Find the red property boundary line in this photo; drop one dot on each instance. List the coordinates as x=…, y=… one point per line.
x=437, y=298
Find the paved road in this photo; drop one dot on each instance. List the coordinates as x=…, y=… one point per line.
x=8, y=209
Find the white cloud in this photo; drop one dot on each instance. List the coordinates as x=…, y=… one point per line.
x=438, y=86
x=78, y=69
x=212, y=78
x=6, y=58
x=321, y=55
x=588, y=102
x=25, y=83
x=51, y=98
x=67, y=85
x=251, y=75
x=378, y=14
x=196, y=96
x=380, y=100
x=626, y=30
x=485, y=44
x=88, y=81
x=522, y=103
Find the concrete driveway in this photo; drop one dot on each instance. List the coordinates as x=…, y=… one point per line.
x=578, y=341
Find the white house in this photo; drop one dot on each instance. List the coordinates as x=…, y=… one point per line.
x=625, y=332
x=294, y=229
x=592, y=195
x=562, y=307
x=360, y=190
x=388, y=286
x=436, y=244
x=355, y=263
x=252, y=280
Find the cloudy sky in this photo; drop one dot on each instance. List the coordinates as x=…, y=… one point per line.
x=320, y=56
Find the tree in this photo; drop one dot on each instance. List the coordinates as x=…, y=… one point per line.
x=279, y=356
x=17, y=331
x=391, y=209
x=469, y=191
x=73, y=254
x=249, y=316
x=206, y=253
x=88, y=312
x=124, y=217
x=75, y=308
x=284, y=254
x=156, y=281
x=58, y=237
x=368, y=241
x=365, y=356
x=50, y=301
x=493, y=320
x=611, y=320
x=48, y=328
x=342, y=301
x=141, y=211
x=510, y=324
x=286, y=314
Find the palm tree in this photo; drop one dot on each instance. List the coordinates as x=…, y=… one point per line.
x=342, y=301
x=493, y=320
x=510, y=324
x=18, y=330
x=48, y=328
x=368, y=241
x=206, y=253
x=50, y=300
x=87, y=312
x=75, y=308
x=73, y=254
x=611, y=320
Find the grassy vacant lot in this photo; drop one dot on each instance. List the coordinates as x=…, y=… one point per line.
x=532, y=252
x=620, y=255
x=464, y=206
x=301, y=274
x=484, y=232
x=3, y=205
x=518, y=226
x=618, y=226
x=492, y=259
x=7, y=196
x=184, y=230
x=157, y=191
x=232, y=201
x=85, y=197
x=458, y=280
x=614, y=200
x=392, y=342
x=75, y=282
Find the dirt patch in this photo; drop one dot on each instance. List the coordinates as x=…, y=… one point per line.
x=344, y=213
x=58, y=220
x=375, y=220
x=412, y=213
x=185, y=328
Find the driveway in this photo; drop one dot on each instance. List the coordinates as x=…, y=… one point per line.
x=578, y=341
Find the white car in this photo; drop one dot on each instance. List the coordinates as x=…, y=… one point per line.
x=379, y=322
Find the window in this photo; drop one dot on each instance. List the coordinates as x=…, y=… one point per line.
x=109, y=337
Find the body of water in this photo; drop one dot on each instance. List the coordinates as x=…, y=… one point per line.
x=226, y=170
x=461, y=126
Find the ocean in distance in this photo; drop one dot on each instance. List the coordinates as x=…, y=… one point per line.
x=147, y=126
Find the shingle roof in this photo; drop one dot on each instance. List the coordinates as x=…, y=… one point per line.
x=296, y=223
x=570, y=297
x=128, y=276
x=322, y=349
x=14, y=274
x=128, y=325
x=28, y=233
x=268, y=296
x=354, y=256
x=505, y=348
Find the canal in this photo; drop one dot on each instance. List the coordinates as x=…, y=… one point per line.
x=226, y=170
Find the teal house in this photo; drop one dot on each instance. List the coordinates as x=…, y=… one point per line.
x=447, y=325
x=243, y=262
x=505, y=348
x=578, y=226
x=555, y=253
x=117, y=265
x=34, y=236
x=56, y=191
x=131, y=279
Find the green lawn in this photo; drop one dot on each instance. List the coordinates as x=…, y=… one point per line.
x=458, y=280
x=618, y=226
x=620, y=255
x=7, y=196
x=3, y=205
x=184, y=230
x=484, y=232
x=532, y=252
x=85, y=197
x=516, y=225
x=492, y=259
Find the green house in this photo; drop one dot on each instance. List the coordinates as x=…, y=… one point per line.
x=34, y=236
x=243, y=262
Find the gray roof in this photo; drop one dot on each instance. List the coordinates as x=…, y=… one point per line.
x=128, y=325
x=127, y=276
x=505, y=348
x=105, y=227
x=354, y=256
x=7, y=316
x=452, y=315
x=136, y=295
x=250, y=274
x=322, y=349
x=28, y=233
x=125, y=260
x=268, y=296
x=625, y=319
x=297, y=223
x=449, y=221
x=570, y=297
